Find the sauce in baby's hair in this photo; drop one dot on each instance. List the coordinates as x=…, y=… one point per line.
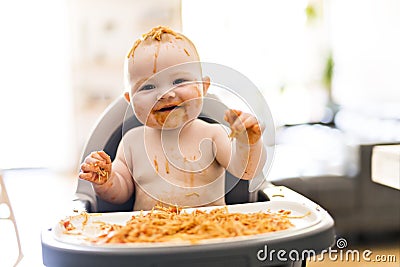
x=155, y=58
x=154, y=34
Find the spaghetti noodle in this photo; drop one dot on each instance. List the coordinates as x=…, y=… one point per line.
x=175, y=225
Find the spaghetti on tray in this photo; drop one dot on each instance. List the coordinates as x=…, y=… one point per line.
x=176, y=225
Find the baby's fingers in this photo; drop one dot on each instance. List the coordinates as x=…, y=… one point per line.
x=104, y=156
x=88, y=167
x=96, y=155
x=256, y=129
x=90, y=160
x=244, y=122
x=231, y=115
x=87, y=176
x=249, y=122
x=103, y=167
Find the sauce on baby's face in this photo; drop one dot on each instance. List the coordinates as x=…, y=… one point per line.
x=173, y=95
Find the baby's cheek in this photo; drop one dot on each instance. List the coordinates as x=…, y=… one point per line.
x=191, y=91
x=141, y=111
x=196, y=91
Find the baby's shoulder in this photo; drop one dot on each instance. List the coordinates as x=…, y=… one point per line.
x=209, y=127
x=133, y=133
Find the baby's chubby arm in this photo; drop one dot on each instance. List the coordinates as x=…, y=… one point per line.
x=245, y=156
x=111, y=181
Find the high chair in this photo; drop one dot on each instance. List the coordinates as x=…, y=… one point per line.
x=106, y=135
x=4, y=200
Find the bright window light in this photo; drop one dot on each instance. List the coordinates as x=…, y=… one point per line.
x=35, y=109
x=268, y=41
x=284, y=47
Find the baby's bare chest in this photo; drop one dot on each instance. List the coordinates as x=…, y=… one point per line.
x=186, y=161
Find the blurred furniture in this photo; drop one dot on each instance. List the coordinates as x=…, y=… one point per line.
x=386, y=165
x=359, y=206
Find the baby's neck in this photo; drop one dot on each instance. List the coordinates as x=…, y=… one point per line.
x=175, y=130
x=171, y=136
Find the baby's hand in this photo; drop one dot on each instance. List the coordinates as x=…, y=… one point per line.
x=96, y=168
x=241, y=123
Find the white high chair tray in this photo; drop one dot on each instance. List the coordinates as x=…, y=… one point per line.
x=302, y=217
x=312, y=230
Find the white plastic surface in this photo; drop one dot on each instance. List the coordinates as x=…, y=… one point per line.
x=303, y=217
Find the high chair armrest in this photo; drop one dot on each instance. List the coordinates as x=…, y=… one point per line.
x=80, y=205
x=82, y=202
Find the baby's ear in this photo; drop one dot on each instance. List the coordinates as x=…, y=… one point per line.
x=127, y=97
x=206, y=84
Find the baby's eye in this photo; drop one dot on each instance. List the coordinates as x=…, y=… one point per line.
x=147, y=87
x=179, y=81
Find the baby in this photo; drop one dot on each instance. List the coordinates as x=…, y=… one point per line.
x=175, y=158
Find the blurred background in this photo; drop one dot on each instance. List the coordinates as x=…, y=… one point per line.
x=329, y=71
x=62, y=64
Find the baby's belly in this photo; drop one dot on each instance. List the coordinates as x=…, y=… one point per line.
x=157, y=190
x=189, y=180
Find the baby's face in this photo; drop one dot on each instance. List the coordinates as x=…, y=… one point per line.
x=165, y=92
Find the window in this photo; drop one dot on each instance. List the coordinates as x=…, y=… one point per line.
x=35, y=106
x=274, y=43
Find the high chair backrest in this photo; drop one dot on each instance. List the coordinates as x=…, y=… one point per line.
x=116, y=120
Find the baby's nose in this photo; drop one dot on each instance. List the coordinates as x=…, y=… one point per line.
x=168, y=94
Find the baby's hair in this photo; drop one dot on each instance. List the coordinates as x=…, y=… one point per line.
x=156, y=34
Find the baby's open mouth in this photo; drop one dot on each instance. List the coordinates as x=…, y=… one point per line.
x=169, y=110
x=168, y=107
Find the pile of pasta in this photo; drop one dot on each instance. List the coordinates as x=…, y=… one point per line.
x=174, y=225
